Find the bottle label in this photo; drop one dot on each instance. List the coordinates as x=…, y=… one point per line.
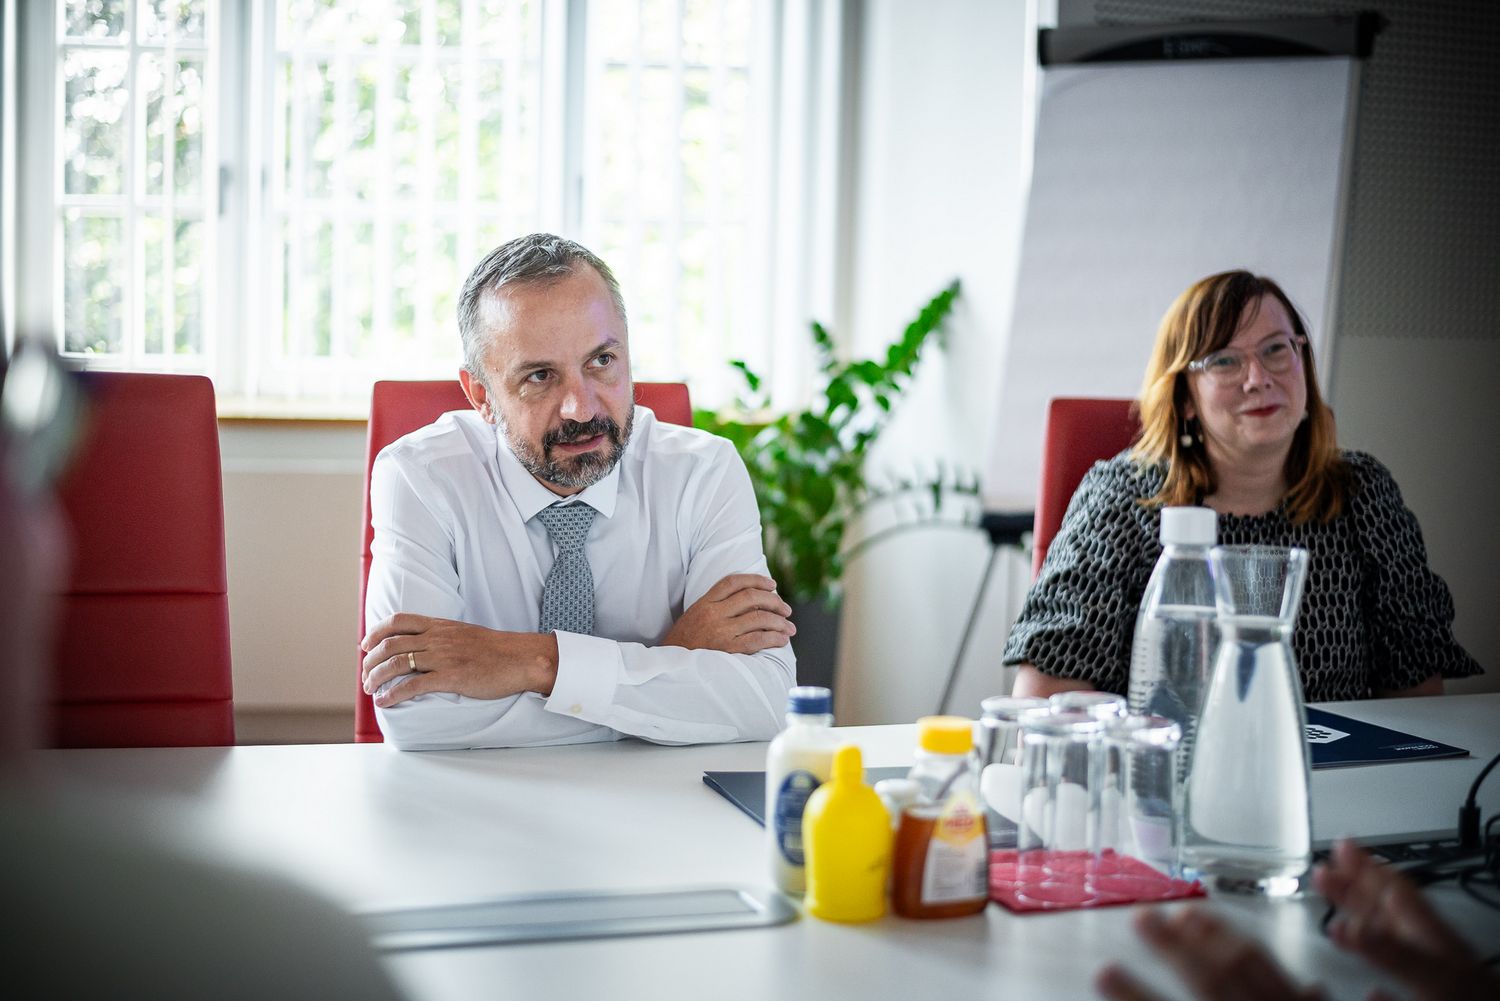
x=957, y=865
x=791, y=799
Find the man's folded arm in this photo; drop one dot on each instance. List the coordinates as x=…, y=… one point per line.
x=672, y=695
x=413, y=570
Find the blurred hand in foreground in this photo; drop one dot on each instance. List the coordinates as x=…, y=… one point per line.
x=1382, y=917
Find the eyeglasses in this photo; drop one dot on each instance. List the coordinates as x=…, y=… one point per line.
x=1228, y=366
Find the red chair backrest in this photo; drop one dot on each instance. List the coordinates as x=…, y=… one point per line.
x=1079, y=432
x=142, y=657
x=399, y=408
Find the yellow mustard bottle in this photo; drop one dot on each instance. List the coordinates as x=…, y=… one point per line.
x=847, y=834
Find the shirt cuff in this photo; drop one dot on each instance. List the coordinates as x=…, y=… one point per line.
x=588, y=668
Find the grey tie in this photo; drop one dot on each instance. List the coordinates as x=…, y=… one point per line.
x=568, y=595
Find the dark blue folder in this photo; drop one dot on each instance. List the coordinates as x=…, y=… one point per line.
x=1336, y=741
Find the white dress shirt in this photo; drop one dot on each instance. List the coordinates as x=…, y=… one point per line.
x=456, y=538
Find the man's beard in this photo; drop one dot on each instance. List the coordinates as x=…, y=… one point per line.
x=580, y=470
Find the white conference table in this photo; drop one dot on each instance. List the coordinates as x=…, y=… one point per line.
x=375, y=828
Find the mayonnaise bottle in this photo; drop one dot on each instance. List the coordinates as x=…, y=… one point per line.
x=798, y=761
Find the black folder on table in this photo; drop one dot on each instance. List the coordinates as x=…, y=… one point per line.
x=747, y=790
x=1334, y=742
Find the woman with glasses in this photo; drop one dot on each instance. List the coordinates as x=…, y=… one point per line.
x=1232, y=419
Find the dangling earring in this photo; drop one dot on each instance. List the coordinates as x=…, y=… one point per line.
x=1188, y=436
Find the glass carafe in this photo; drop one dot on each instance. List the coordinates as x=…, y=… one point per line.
x=1247, y=819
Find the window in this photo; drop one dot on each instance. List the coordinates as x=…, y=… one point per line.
x=387, y=145
x=132, y=225
x=668, y=163
x=405, y=142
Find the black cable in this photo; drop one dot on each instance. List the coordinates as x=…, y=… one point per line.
x=1470, y=881
x=1474, y=789
x=1468, y=814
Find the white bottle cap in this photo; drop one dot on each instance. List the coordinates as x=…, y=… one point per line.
x=1189, y=526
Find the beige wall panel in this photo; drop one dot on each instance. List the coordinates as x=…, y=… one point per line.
x=292, y=540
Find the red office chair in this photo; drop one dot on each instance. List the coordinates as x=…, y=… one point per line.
x=143, y=651
x=399, y=408
x=1079, y=433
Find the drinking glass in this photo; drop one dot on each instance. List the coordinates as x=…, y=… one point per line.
x=1247, y=818
x=1101, y=705
x=1138, y=812
x=1000, y=764
x=1059, y=807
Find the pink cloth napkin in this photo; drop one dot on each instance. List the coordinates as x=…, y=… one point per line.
x=1059, y=881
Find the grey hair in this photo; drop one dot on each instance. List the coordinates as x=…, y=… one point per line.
x=537, y=259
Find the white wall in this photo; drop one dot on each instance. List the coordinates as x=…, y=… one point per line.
x=938, y=193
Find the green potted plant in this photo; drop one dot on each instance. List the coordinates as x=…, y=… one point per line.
x=808, y=469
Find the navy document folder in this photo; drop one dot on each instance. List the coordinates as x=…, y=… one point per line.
x=1335, y=741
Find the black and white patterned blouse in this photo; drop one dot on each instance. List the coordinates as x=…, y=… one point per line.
x=1373, y=615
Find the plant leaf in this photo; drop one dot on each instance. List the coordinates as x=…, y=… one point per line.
x=807, y=467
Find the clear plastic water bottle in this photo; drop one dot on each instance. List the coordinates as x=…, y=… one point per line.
x=1175, y=635
x=1173, y=652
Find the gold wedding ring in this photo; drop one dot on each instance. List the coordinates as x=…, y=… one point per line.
x=411, y=662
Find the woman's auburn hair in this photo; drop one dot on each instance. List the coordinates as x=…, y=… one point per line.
x=1204, y=320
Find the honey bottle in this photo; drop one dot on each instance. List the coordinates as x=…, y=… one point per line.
x=941, y=865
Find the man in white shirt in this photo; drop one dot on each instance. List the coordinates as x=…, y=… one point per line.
x=488, y=625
